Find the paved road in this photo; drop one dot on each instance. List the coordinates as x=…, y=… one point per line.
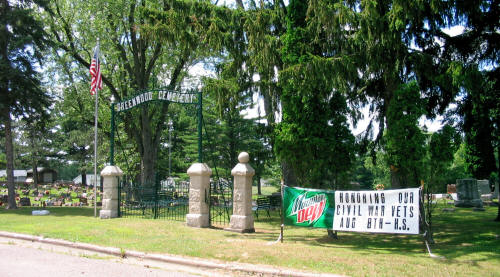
x=20, y=258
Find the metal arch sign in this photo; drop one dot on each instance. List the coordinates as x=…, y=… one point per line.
x=157, y=95
x=191, y=97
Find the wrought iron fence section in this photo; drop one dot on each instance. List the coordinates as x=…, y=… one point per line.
x=220, y=199
x=173, y=201
x=155, y=201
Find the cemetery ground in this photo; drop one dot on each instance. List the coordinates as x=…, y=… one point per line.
x=468, y=242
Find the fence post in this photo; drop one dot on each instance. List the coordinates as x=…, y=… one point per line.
x=110, y=174
x=199, y=185
x=242, y=218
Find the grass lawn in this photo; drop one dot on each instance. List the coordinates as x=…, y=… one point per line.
x=469, y=242
x=265, y=190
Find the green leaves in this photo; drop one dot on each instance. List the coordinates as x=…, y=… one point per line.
x=404, y=141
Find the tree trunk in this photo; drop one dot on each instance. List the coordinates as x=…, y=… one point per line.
x=426, y=216
x=149, y=144
x=34, y=160
x=498, y=214
x=35, y=173
x=288, y=174
x=148, y=167
x=84, y=178
x=332, y=234
x=259, y=184
x=395, y=180
x=498, y=181
x=9, y=152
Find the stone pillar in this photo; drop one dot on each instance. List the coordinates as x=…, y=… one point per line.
x=110, y=175
x=199, y=174
x=242, y=218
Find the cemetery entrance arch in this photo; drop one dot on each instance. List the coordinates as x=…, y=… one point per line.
x=163, y=198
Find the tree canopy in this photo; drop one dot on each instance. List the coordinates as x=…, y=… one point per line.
x=314, y=65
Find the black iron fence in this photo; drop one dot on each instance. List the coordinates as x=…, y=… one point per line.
x=221, y=202
x=170, y=200
x=161, y=200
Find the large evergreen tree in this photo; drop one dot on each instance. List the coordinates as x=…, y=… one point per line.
x=390, y=44
x=313, y=135
x=477, y=47
x=404, y=142
x=21, y=38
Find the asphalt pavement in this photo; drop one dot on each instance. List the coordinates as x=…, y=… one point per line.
x=27, y=255
x=21, y=258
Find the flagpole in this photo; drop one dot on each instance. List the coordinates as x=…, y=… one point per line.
x=95, y=146
x=95, y=155
x=282, y=226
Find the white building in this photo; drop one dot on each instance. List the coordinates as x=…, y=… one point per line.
x=88, y=177
x=20, y=175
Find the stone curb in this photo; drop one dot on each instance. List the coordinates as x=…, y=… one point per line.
x=193, y=262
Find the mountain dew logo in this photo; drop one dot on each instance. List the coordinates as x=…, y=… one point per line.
x=308, y=209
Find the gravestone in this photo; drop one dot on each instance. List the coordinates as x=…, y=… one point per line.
x=484, y=189
x=468, y=194
x=495, y=192
x=355, y=186
x=25, y=202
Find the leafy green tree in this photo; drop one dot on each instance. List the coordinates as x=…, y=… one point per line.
x=478, y=126
x=73, y=117
x=458, y=169
x=378, y=167
x=3, y=160
x=442, y=147
x=362, y=174
x=21, y=38
x=36, y=143
x=144, y=44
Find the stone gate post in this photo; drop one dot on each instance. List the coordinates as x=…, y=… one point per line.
x=199, y=176
x=242, y=218
x=110, y=175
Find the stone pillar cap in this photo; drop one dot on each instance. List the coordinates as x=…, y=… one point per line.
x=243, y=168
x=199, y=169
x=111, y=170
x=243, y=157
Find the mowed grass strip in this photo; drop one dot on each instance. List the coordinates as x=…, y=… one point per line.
x=468, y=241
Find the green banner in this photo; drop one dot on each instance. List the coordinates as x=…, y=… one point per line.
x=308, y=207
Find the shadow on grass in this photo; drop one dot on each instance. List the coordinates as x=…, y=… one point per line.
x=464, y=233
x=54, y=211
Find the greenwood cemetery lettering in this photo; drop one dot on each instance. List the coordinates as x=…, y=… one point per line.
x=161, y=95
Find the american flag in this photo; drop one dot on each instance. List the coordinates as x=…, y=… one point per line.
x=95, y=72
